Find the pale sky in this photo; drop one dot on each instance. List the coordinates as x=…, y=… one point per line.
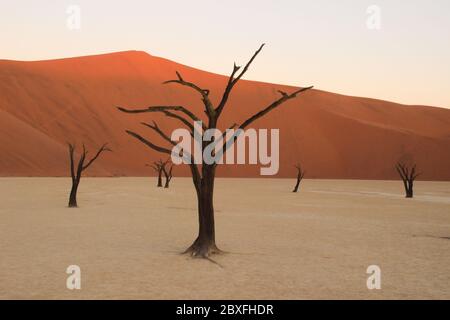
x=325, y=43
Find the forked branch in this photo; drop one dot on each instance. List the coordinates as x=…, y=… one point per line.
x=167, y=111
x=284, y=97
x=148, y=143
x=155, y=128
x=232, y=80
x=162, y=109
x=103, y=148
x=204, y=92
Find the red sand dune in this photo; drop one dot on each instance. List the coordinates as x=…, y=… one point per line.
x=44, y=104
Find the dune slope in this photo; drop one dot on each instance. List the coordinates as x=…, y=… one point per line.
x=44, y=104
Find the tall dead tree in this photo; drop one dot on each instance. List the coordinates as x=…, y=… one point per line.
x=408, y=176
x=203, y=175
x=300, y=175
x=76, y=171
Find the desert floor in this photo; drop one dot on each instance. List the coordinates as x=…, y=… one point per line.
x=127, y=235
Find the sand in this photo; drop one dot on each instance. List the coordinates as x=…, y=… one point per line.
x=127, y=234
x=44, y=104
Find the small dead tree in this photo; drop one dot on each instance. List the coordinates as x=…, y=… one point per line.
x=80, y=167
x=168, y=175
x=300, y=175
x=203, y=174
x=408, y=176
x=158, y=166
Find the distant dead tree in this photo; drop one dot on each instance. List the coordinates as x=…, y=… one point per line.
x=158, y=166
x=408, y=176
x=300, y=175
x=81, y=166
x=203, y=175
x=168, y=175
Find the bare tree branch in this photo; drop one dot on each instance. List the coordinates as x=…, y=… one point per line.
x=148, y=143
x=159, y=131
x=81, y=162
x=102, y=149
x=225, y=144
x=166, y=138
x=167, y=174
x=152, y=166
x=232, y=80
x=183, y=120
x=167, y=111
x=402, y=171
x=283, y=99
x=301, y=173
x=71, y=154
x=162, y=109
x=204, y=92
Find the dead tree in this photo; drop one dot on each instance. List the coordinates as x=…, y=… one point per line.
x=158, y=166
x=203, y=174
x=300, y=175
x=168, y=175
x=80, y=167
x=408, y=176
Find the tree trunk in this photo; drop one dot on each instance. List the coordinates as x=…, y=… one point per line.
x=160, y=178
x=296, y=186
x=167, y=183
x=205, y=243
x=409, y=190
x=73, y=194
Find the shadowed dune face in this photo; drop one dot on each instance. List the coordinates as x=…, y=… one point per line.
x=44, y=104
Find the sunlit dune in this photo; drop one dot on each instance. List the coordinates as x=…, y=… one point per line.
x=44, y=104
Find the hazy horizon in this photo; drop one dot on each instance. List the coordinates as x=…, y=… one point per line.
x=404, y=57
